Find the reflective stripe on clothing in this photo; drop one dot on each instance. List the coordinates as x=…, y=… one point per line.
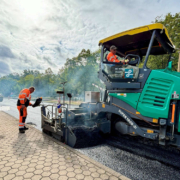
x=23, y=95
x=22, y=116
x=21, y=127
x=112, y=57
x=21, y=99
x=29, y=97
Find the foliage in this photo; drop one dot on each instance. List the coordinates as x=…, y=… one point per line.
x=79, y=72
x=172, y=24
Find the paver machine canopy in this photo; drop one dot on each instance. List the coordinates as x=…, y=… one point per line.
x=133, y=44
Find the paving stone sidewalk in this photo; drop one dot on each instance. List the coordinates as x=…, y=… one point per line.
x=36, y=156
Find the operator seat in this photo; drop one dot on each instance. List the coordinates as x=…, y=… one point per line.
x=106, y=58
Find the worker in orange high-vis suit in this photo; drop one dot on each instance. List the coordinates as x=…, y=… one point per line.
x=22, y=104
x=112, y=55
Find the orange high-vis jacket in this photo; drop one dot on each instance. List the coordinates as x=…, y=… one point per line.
x=112, y=58
x=24, y=95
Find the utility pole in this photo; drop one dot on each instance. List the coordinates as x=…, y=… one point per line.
x=179, y=62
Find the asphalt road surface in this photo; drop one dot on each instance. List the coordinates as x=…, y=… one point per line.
x=136, y=161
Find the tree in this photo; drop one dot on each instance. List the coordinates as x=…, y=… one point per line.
x=172, y=23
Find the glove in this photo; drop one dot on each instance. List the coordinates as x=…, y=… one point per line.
x=37, y=102
x=126, y=60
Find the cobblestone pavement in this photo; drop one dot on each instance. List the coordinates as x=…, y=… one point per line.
x=36, y=156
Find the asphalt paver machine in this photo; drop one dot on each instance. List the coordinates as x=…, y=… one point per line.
x=137, y=101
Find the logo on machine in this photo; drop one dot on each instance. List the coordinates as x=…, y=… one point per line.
x=127, y=119
x=128, y=73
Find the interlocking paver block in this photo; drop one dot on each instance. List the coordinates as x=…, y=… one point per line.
x=18, y=178
x=79, y=176
x=78, y=171
x=86, y=173
x=92, y=169
x=20, y=173
x=54, y=176
x=3, y=162
x=46, y=168
x=63, y=172
x=101, y=171
x=39, y=171
x=28, y=175
x=47, y=164
x=15, y=166
x=77, y=166
x=39, y=166
x=23, y=167
x=88, y=178
x=55, y=166
x=2, y=174
x=6, y=158
x=90, y=165
x=104, y=176
x=5, y=169
x=45, y=174
x=45, y=178
x=9, y=177
x=124, y=178
x=48, y=160
x=62, y=168
x=63, y=177
x=95, y=174
x=41, y=158
x=36, y=156
x=36, y=177
x=71, y=174
x=13, y=171
x=25, y=163
x=34, y=160
x=54, y=170
x=113, y=178
x=70, y=169
x=30, y=170
x=32, y=165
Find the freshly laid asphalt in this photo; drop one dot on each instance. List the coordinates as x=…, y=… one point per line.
x=128, y=160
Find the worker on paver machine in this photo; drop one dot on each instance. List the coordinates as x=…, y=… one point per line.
x=120, y=64
x=22, y=104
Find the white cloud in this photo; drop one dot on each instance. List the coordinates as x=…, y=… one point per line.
x=44, y=33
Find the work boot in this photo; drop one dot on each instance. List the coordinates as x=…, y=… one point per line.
x=25, y=128
x=21, y=131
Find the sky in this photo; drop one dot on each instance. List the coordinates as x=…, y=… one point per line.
x=38, y=34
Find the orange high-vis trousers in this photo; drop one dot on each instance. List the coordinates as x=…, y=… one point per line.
x=22, y=116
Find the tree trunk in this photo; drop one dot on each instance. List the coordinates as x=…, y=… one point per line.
x=84, y=90
x=179, y=63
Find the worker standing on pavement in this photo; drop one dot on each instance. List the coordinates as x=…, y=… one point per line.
x=22, y=104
